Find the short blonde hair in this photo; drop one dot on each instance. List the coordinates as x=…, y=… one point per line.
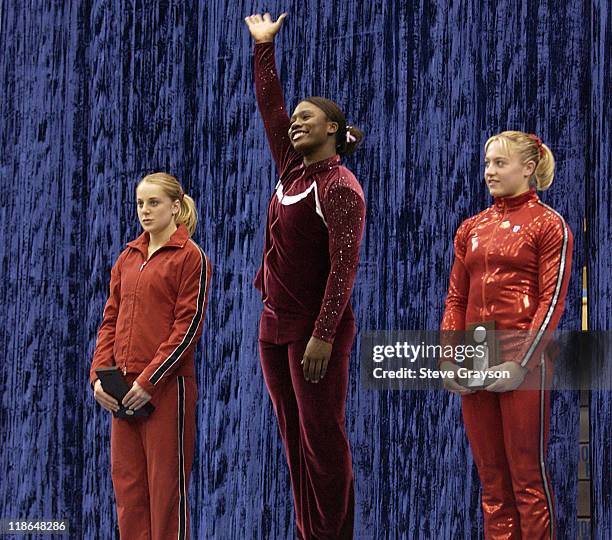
x=187, y=214
x=529, y=148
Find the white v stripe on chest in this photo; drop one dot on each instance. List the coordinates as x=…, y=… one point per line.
x=287, y=200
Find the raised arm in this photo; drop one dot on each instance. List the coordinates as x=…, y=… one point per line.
x=268, y=88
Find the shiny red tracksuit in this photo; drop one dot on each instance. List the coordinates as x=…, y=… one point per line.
x=152, y=323
x=512, y=265
x=313, y=233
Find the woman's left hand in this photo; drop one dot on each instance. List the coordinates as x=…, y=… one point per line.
x=135, y=398
x=263, y=29
x=316, y=358
x=517, y=376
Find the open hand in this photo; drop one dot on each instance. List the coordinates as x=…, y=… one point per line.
x=107, y=401
x=263, y=29
x=135, y=398
x=316, y=358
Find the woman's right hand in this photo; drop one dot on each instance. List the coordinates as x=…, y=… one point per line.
x=263, y=29
x=106, y=400
x=451, y=384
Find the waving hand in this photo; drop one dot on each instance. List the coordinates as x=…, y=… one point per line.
x=263, y=29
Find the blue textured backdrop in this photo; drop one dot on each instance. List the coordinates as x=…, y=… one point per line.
x=599, y=250
x=95, y=93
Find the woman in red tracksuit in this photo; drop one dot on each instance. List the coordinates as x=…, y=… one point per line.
x=512, y=266
x=152, y=323
x=313, y=233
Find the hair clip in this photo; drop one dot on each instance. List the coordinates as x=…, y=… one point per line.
x=349, y=136
x=538, y=141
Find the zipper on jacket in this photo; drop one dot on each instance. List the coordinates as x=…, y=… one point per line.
x=486, y=274
x=132, y=313
x=153, y=255
x=134, y=303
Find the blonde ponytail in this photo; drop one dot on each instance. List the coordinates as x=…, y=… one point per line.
x=545, y=169
x=187, y=214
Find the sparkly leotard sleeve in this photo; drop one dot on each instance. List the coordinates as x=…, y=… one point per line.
x=345, y=214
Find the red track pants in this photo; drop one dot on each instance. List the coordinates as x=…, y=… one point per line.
x=311, y=420
x=508, y=435
x=151, y=462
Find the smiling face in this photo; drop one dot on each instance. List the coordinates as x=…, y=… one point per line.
x=506, y=174
x=311, y=129
x=156, y=210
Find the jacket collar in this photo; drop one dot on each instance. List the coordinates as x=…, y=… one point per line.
x=502, y=203
x=178, y=239
x=317, y=166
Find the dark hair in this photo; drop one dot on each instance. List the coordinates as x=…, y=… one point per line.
x=335, y=114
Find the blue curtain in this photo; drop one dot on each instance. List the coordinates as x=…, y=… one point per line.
x=96, y=93
x=598, y=248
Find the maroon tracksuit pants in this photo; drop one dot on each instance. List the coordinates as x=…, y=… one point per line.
x=311, y=420
x=508, y=435
x=151, y=461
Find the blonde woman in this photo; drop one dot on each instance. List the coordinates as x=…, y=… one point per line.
x=512, y=267
x=152, y=323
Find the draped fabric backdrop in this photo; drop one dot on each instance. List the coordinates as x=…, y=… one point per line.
x=95, y=93
x=598, y=250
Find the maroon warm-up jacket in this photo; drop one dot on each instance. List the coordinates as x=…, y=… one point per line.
x=314, y=227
